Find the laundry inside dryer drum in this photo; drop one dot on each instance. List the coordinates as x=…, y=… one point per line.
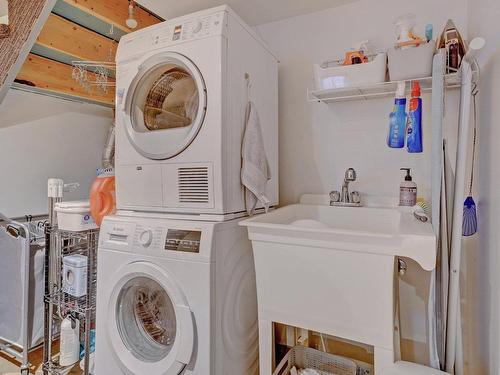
x=146, y=319
x=173, y=100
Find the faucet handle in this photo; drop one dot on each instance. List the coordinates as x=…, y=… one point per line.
x=355, y=197
x=350, y=175
x=334, y=196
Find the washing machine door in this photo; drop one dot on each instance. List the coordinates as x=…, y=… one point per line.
x=165, y=106
x=151, y=328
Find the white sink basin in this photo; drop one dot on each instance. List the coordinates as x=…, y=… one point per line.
x=383, y=230
x=332, y=270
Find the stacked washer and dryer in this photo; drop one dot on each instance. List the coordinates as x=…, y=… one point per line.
x=176, y=291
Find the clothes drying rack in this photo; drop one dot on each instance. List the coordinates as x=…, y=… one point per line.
x=28, y=232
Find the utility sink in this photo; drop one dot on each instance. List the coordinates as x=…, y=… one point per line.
x=333, y=270
x=382, y=228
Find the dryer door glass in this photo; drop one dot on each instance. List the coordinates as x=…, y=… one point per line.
x=167, y=106
x=146, y=319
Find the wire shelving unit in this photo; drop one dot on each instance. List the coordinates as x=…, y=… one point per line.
x=60, y=304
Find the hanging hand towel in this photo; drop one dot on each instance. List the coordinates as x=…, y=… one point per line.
x=255, y=171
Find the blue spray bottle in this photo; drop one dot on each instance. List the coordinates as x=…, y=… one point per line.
x=397, y=123
x=414, y=129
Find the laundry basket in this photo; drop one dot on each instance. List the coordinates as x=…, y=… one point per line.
x=302, y=357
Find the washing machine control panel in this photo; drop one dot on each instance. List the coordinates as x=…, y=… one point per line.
x=161, y=238
x=151, y=237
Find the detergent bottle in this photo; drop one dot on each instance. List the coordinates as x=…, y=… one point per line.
x=102, y=195
x=414, y=128
x=397, y=119
x=69, y=342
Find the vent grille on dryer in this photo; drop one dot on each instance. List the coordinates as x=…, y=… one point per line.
x=193, y=185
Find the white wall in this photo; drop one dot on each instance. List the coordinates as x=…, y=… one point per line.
x=483, y=260
x=42, y=137
x=318, y=142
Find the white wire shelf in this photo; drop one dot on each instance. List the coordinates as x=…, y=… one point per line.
x=374, y=91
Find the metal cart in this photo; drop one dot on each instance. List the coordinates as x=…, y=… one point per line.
x=21, y=240
x=58, y=303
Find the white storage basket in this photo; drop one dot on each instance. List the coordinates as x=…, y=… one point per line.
x=302, y=357
x=411, y=63
x=351, y=75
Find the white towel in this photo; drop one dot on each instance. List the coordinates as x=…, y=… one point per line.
x=255, y=171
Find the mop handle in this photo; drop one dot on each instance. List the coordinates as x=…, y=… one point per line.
x=474, y=138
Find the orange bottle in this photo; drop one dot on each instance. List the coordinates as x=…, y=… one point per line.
x=102, y=195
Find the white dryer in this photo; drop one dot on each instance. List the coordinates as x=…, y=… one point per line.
x=175, y=296
x=182, y=92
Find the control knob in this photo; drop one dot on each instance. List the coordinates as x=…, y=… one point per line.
x=146, y=237
x=197, y=28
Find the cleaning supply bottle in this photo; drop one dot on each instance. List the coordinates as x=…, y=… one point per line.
x=414, y=128
x=69, y=342
x=407, y=190
x=397, y=124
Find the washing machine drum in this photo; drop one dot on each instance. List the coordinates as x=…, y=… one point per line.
x=146, y=319
x=153, y=329
x=166, y=106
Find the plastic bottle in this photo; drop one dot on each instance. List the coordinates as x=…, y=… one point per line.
x=103, y=195
x=397, y=123
x=407, y=190
x=70, y=342
x=414, y=128
x=404, y=29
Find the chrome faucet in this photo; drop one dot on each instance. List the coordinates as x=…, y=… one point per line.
x=344, y=198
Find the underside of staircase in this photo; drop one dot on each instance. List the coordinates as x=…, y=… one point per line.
x=48, y=36
x=26, y=20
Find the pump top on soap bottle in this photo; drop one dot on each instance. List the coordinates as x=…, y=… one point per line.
x=407, y=190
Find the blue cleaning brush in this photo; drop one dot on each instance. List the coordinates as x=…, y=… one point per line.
x=469, y=223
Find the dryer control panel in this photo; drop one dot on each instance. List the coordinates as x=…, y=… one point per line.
x=171, y=33
x=189, y=29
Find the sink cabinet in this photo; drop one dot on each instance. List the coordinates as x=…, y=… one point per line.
x=336, y=276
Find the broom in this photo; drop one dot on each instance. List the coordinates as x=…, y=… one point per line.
x=469, y=223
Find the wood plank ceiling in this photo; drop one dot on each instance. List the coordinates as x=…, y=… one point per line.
x=78, y=30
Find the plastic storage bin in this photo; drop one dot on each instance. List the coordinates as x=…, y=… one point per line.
x=411, y=63
x=302, y=357
x=75, y=275
x=74, y=216
x=351, y=75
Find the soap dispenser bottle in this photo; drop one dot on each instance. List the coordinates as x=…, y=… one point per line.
x=407, y=190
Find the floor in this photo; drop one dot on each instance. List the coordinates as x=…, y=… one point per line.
x=9, y=366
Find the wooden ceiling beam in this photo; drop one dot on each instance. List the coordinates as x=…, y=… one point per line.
x=112, y=12
x=47, y=75
x=73, y=42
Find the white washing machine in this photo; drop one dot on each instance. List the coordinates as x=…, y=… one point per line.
x=182, y=92
x=175, y=297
